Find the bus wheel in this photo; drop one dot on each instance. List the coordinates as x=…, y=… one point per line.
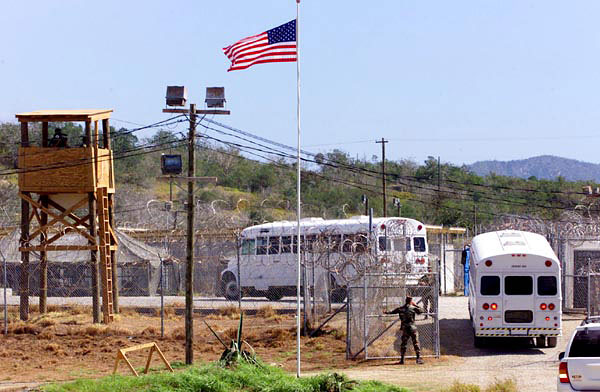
x=230, y=288
x=552, y=340
x=338, y=295
x=274, y=294
x=540, y=342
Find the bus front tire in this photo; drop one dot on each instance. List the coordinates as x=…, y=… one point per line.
x=230, y=288
x=338, y=295
x=552, y=341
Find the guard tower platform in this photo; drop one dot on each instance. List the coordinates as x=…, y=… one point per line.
x=74, y=186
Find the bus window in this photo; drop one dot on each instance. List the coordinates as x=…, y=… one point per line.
x=490, y=285
x=248, y=247
x=518, y=285
x=347, y=244
x=286, y=244
x=419, y=244
x=382, y=244
x=361, y=242
x=546, y=285
x=273, y=245
x=399, y=244
x=310, y=243
x=295, y=243
x=334, y=242
x=261, y=245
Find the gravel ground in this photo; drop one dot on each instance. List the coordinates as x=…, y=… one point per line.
x=534, y=369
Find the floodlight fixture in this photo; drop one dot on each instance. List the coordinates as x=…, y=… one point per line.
x=215, y=97
x=171, y=164
x=176, y=96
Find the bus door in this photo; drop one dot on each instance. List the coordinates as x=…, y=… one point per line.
x=259, y=265
x=518, y=301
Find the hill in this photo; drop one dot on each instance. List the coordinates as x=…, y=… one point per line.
x=546, y=167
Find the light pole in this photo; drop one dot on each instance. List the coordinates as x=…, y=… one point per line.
x=215, y=98
x=365, y=201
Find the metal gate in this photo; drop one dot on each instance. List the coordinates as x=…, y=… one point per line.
x=372, y=334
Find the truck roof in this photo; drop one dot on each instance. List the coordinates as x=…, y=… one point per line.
x=506, y=242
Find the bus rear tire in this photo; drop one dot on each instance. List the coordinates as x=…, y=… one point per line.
x=552, y=341
x=231, y=290
x=540, y=342
x=274, y=294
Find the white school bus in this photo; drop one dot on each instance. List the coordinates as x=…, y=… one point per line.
x=268, y=254
x=514, y=287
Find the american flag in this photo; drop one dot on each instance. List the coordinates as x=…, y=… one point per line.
x=275, y=45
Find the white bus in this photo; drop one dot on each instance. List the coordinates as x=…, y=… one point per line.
x=514, y=287
x=268, y=260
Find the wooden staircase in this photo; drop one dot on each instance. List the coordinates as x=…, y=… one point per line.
x=107, y=243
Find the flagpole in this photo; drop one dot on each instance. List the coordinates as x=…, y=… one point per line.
x=298, y=185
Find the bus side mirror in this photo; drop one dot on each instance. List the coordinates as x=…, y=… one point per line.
x=561, y=356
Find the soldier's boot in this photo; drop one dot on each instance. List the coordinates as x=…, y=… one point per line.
x=402, y=357
x=419, y=360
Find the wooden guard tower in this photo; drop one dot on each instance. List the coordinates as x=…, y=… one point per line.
x=58, y=183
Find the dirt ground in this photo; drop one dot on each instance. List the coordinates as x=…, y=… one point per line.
x=533, y=369
x=65, y=345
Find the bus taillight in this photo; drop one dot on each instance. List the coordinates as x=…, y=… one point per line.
x=488, y=263
x=543, y=306
x=548, y=263
x=494, y=306
x=551, y=306
x=486, y=306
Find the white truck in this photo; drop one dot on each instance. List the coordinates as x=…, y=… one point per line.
x=579, y=368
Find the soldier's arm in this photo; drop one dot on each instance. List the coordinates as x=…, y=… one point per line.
x=395, y=311
x=418, y=310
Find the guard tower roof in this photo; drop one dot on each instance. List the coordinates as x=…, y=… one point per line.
x=64, y=115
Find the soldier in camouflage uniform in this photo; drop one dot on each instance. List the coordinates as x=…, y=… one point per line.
x=407, y=314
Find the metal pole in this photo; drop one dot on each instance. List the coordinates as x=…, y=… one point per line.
x=365, y=296
x=189, y=272
x=162, y=300
x=239, y=277
x=5, y=304
x=589, y=286
x=298, y=185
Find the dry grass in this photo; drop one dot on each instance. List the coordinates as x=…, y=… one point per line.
x=508, y=385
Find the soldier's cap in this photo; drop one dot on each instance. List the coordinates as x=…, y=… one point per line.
x=409, y=298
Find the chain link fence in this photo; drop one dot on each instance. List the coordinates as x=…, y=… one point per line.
x=375, y=335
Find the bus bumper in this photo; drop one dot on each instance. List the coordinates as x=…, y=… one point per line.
x=518, y=332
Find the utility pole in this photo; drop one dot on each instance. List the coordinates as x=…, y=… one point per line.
x=217, y=99
x=383, y=142
x=189, y=270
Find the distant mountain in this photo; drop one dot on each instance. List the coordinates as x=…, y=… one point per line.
x=543, y=167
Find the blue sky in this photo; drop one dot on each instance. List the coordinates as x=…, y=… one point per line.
x=465, y=80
